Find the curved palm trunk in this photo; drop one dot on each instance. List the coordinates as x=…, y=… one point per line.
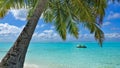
x=16, y=55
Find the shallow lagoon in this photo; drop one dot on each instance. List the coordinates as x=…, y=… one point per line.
x=66, y=55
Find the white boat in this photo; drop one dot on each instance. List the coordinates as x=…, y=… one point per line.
x=81, y=46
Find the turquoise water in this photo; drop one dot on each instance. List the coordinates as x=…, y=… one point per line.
x=66, y=55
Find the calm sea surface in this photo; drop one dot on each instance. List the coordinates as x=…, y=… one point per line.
x=66, y=55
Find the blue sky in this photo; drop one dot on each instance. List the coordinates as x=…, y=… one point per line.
x=14, y=21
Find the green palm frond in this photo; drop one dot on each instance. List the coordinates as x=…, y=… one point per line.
x=60, y=21
x=60, y=14
x=73, y=29
x=100, y=6
x=48, y=15
x=32, y=5
x=6, y=5
x=82, y=10
x=94, y=29
x=65, y=14
x=99, y=35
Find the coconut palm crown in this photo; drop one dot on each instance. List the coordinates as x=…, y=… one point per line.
x=66, y=15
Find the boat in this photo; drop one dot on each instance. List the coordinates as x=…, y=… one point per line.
x=81, y=46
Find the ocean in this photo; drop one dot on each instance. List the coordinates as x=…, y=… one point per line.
x=66, y=55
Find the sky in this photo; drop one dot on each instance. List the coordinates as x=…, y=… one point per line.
x=14, y=21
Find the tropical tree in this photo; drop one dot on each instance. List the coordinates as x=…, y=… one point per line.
x=66, y=16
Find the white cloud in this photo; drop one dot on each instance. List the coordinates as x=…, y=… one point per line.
x=112, y=35
x=43, y=25
x=106, y=23
x=107, y=35
x=9, y=32
x=52, y=27
x=87, y=36
x=19, y=14
x=48, y=35
x=115, y=3
x=6, y=29
x=109, y=2
x=115, y=28
x=113, y=15
x=90, y=37
x=48, y=31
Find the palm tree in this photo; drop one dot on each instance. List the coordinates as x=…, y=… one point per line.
x=65, y=14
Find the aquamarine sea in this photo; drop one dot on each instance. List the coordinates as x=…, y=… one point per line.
x=66, y=55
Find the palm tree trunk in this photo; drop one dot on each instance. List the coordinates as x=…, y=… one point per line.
x=16, y=55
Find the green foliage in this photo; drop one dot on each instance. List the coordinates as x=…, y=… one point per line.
x=66, y=14
x=98, y=33
x=6, y=5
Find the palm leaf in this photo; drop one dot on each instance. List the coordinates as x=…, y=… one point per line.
x=65, y=14
x=98, y=34
x=6, y=5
